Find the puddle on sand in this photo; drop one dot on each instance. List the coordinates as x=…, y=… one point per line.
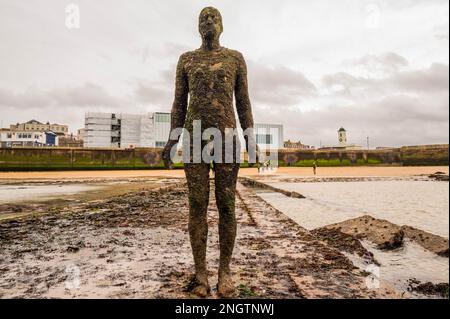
x=13, y=194
x=405, y=263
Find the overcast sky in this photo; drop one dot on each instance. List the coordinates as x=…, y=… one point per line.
x=377, y=68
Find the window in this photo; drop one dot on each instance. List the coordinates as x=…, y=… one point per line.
x=162, y=117
x=9, y=135
x=263, y=139
x=160, y=144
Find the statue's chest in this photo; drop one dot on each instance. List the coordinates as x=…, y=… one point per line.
x=214, y=72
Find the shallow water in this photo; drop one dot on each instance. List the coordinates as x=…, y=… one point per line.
x=407, y=262
x=11, y=194
x=421, y=204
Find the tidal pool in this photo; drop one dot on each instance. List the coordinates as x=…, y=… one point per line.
x=20, y=193
x=420, y=204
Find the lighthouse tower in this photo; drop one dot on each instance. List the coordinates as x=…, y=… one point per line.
x=342, y=136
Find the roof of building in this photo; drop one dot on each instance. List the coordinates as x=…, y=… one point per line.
x=341, y=129
x=33, y=122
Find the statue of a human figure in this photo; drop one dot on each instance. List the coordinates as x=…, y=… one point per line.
x=210, y=76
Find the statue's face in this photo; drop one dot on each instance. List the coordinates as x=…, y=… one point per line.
x=210, y=23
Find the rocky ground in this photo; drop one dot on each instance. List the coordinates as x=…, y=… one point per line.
x=386, y=235
x=136, y=246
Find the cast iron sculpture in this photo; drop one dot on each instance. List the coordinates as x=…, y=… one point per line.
x=209, y=77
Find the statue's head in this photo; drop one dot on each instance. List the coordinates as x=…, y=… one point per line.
x=210, y=23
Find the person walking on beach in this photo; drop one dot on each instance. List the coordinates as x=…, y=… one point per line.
x=315, y=167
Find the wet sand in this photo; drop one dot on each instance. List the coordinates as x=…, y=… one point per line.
x=289, y=171
x=136, y=246
x=129, y=239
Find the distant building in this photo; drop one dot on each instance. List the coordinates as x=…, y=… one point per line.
x=11, y=138
x=81, y=133
x=381, y=148
x=69, y=141
x=296, y=145
x=269, y=136
x=342, y=145
x=122, y=130
x=36, y=126
x=342, y=137
x=126, y=130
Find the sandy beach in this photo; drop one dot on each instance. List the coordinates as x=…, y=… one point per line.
x=123, y=234
x=290, y=171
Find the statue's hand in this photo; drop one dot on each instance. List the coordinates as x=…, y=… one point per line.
x=257, y=158
x=250, y=142
x=166, y=154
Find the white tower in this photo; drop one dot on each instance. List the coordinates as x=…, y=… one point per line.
x=342, y=136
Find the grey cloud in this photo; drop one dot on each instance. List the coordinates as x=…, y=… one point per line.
x=87, y=95
x=278, y=85
x=167, y=49
x=148, y=92
x=434, y=78
x=408, y=107
x=391, y=121
x=346, y=80
x=388, y=62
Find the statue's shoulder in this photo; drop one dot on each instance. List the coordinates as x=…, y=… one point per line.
x=187, y=55
x=235, y=54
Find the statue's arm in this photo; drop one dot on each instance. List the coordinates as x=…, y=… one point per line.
x=243, y=106
x=179, y=106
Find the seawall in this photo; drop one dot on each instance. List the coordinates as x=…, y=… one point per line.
x=51, y=158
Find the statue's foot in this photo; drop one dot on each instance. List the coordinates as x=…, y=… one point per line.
x=198, y=287
x=226, y=287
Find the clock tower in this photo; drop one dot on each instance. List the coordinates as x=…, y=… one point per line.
x=342, y=136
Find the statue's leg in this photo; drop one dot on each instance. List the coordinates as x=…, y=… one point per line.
x=198, y=183
x=225, y=190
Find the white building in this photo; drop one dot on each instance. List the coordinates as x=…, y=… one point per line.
x=269, y=136
x=342, y=137
x=10, y=138
x=80, y=134
x=152, y=130
x=126, y=130
x=343, y=145
x=36, y=126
